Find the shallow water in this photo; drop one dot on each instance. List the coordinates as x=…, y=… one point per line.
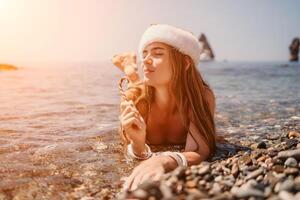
x=58, y=123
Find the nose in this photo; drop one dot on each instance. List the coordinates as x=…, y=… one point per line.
x=147, y=60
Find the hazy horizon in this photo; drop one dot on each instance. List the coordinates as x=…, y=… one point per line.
x=93, y=31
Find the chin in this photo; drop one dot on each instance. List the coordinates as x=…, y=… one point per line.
x=148, y=81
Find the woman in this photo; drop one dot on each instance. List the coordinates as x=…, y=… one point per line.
x=172, y=105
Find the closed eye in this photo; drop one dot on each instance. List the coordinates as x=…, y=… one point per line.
x=156, y=54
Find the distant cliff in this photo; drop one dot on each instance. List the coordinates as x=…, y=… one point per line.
x=207, y=53
x=294, y=50
x=6, y=67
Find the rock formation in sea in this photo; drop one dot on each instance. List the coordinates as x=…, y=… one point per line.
x=207, y=52
x=294, y=50
x=5, y=67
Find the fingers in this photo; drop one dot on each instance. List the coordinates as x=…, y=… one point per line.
x=136, y=181
x=128, y=107
x=145, y=177
x=127, y=110
x=128, y=123
x=125, y=104
x=157, y=177
x=128, y=116
x=128, y=113
x=130, y=180
x=138, y=178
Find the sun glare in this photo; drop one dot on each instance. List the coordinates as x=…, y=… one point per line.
x=8, y=8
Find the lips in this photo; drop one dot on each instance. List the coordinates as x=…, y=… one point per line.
x=148, y=70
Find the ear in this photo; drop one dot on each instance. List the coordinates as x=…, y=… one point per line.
x=187, y=62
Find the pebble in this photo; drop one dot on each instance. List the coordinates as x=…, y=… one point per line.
x=278, y=168
x=291, y=162
x=290, y=153
x=194, y=194
x=235, y=170
x=294, y=134
x=262, y=145
x=254, y=174
x=246, y=159
x=273, y=137
x=295, y=118
x=284, y=195
x=291, y=171
x=246, y=191
x=291, y=143
x=204, y=169
x=287, y=185
x=191, y=184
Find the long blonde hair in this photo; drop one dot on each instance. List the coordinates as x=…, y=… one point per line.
x=189, y=90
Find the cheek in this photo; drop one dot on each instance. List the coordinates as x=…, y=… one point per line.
x=163, y=72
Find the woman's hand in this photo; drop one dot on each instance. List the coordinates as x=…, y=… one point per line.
x=132, y=123
x=151, y=169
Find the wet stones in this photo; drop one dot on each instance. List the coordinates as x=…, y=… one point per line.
x=267, y=172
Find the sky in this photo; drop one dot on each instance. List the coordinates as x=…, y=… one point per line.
x=95, y=30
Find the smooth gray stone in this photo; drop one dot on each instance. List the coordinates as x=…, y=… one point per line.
x=254, y=174
x=246, y=191
x=284, y=195
x=290, y=153
x=287, y=185
x=204, y=169
x=291, y=162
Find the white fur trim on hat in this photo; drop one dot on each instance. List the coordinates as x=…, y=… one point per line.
x=181, y=39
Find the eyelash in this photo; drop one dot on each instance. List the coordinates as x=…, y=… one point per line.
x=159, y=54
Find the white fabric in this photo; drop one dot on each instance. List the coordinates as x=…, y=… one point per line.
x=181, y=39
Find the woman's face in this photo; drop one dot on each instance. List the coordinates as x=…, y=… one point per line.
x=156, y=64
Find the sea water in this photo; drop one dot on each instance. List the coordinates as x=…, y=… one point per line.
x=58, y=122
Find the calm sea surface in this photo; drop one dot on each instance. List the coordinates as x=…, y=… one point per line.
x=58, y=123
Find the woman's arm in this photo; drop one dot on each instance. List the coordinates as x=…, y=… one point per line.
x=192, y=155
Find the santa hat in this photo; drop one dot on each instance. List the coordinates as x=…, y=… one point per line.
x=181, y=39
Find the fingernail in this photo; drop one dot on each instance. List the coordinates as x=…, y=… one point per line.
x=133, y=187
x=125, y=188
